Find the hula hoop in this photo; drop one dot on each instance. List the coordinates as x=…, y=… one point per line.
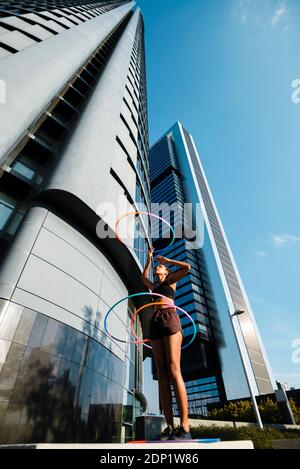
x=132, y=319
x=144, y=306
x=174, y=306
x=152, y=215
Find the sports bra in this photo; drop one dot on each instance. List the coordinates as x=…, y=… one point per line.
x=165, y=289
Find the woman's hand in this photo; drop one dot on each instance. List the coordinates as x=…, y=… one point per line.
x=162, y=259
x=150, y=253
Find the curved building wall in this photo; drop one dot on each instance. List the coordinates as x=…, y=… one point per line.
x=57, y=278
x=84, y=170
x=57, y=384
x=56, y=288
x=54, y=269
x=97, y=158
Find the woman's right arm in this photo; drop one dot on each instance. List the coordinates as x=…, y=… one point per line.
x=145, y=274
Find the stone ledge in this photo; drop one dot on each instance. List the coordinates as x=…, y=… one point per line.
x=107, y=446
x=224, y=423
x=286, y=444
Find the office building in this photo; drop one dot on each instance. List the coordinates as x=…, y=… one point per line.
x=74, y=136
x=213, y=290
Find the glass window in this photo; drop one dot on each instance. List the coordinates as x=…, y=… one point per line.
x=127, y=407
x=24, y=170
x=127, y=431
x=24, y=327
x=38, y=331
x=15, y=223
x=27, y=161
x=7, y=206
x=130, y=375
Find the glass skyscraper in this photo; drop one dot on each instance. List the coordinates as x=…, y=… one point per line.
x=73, y=136
x=212, y=367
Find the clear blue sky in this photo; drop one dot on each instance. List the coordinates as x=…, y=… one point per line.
x=224, y=68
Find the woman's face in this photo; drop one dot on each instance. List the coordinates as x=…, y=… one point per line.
x=161, y=270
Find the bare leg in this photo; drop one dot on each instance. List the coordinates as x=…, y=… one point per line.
x=172, y=345
x=165, y=393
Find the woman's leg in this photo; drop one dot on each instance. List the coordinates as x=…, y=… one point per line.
x=172, y=345
x=165, y=393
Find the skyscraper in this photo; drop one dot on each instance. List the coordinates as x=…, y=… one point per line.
x=213, y=290
x=74, y=136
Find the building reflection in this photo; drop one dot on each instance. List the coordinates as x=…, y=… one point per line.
x=60, y=385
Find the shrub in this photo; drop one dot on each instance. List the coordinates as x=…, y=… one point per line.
x=242, y=411
x=262, y=439
x=269, y=411
x=295, y=410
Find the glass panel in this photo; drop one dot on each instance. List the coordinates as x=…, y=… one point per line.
x=38, y=331
x=10, y=371
x=5, y=213
x=80, y=344
x=127, y=432
x=85, y=384
x=60, y=339
x=15, y=222
x=24, y=170
x=127, y=407
x=138, y=409
x=69, y=343
x=57, y=399
x=7, y=200
x=48, y=341
x=3, y=407
x=68, y=377
x=11, y=423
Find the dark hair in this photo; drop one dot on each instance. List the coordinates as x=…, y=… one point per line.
x=168, y=269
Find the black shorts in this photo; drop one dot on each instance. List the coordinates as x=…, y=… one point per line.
x=164, y=322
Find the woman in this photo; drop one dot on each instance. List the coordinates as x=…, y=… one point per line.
x=166, y=338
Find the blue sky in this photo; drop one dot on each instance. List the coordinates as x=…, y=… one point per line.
x=225, y=68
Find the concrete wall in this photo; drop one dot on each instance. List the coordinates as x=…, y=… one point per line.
x=84, y=169
x=56, y=271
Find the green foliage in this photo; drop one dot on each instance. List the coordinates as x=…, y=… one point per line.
x=269, y=411
x=242, y=411
x=295, y=410
x=262, y=439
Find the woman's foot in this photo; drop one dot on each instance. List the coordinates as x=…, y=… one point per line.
x=181, y=434
x=166, y=433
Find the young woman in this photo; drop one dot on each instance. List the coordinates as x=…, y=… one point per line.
x=166, y=338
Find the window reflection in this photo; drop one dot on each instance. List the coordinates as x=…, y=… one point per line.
x=7, y=206
x=24, y=170
x=60, y=385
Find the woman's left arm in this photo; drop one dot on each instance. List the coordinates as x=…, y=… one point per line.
x=180, y=273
